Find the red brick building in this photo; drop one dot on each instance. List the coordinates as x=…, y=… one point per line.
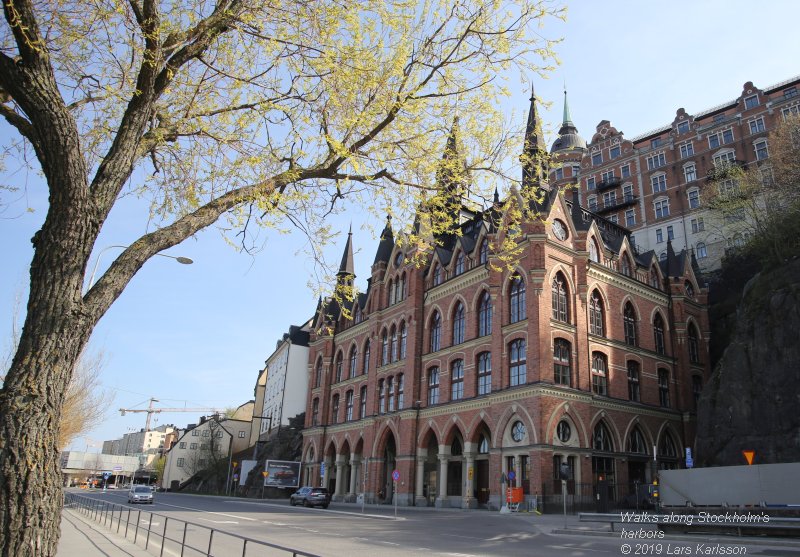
x=461, y=375
x=653, y=184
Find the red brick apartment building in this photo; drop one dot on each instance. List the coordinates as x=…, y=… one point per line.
x=653, y=184
x=460, y=376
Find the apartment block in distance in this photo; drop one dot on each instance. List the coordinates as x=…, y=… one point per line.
x=653, y=184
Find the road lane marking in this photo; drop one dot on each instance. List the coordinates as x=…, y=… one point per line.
x=209, y=512
x=323, y=511
x=462, y=536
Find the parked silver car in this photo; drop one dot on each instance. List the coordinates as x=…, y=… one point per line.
x=140, y=494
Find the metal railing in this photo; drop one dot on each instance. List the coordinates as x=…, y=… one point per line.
x=162, y=534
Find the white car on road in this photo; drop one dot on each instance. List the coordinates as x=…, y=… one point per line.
x=140, y=494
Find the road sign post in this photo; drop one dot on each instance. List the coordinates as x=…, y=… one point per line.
x=395, y=478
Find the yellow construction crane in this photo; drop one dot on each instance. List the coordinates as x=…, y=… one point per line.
x=150, y=411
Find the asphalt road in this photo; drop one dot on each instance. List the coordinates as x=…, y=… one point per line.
x=342, y=530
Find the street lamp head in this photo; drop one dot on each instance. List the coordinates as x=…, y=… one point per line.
x=184, y=260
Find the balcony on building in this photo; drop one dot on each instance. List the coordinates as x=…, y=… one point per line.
x=609, y=183
x=617, y=204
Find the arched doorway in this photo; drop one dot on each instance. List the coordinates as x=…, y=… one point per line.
x=329, y=479
x=430, y=484
x=389, y=465
x=308, y=471
x=342, y=472
x=481, y=478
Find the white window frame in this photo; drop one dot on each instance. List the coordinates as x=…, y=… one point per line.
x=701, y=251
x=656, y=160
x=790, y=111
x=724, y=158
x=698, y=225
x=686, y=149
x=627, y=192
x=661, y=205
x=658, y=182
x=592, y=203
x=611, y=154
x=599, y=154
x=693, y=195
x=591, y=183
x=682, y=127
x=761, y=148
x=607, y=175
x=720, y=138
x=757, y=125
x=689, y=172
x=748, y=104
x=630, y=217
x=609, y=198
x=659, y=236
x=625, y=171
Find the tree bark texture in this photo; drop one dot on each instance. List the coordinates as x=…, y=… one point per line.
x=31, y=401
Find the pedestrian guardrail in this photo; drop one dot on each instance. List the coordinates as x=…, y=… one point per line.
x=163, y=534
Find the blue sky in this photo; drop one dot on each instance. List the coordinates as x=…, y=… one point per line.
x=197, y=335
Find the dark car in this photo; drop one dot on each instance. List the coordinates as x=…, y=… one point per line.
x=311, y=497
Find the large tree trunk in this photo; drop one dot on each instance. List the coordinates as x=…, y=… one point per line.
x=56, y=329
x=30, y=407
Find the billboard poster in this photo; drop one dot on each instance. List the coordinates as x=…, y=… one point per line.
x=282, y=473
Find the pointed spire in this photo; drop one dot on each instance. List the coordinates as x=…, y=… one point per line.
x=452, y=176
x=496, y=196
x=346, y=267
x=534, y=151
x=386, y=244
x=672, y=262
x=568, y=136
x=567, y=121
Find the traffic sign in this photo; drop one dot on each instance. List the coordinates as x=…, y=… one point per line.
x=117, y=468
x=322, y=469
x=749, y=456
x=396, y=475
x=511, y=476
x=689, y=459
x=106, y=475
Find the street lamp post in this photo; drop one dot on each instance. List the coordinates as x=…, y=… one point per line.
x=179, y=259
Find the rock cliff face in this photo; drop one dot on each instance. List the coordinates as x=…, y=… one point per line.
x=752, y=401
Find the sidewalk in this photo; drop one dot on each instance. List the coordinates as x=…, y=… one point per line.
x=81, y=537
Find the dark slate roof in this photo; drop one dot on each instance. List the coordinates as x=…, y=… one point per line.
x=546, y=203
x=444, y=254
x=386, y=244
x=674, y=264
x=644, y=259
x=347, y=267
x=298, y=334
